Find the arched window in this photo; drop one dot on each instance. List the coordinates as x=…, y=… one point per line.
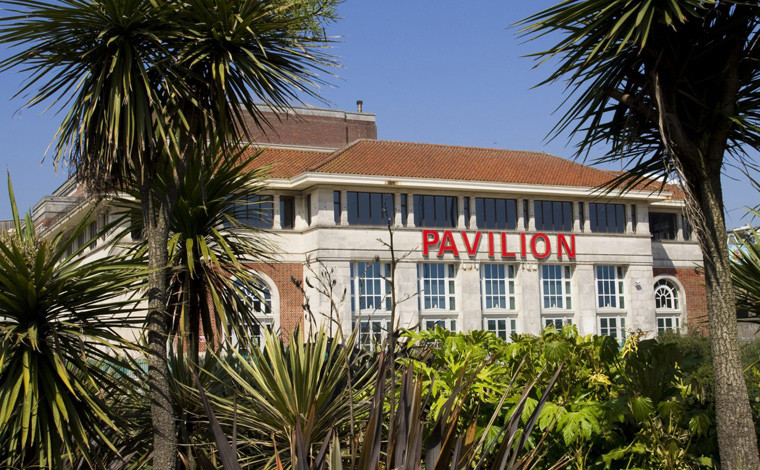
x=667, y=304
x=260, y=300
x=666, y=296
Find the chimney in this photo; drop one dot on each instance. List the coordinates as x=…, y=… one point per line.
x=359, y=104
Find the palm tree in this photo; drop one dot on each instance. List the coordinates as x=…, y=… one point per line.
x=58, y=316
x=671, y=87
x=145, y=84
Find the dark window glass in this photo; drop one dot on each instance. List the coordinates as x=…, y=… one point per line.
x=336, y=207
x=607, y=218
x=404, y=209
x=526, y=215
x=370, y=208
x=435, y=211
x=308, y=209
x=287, y=212
x=662, y=225
x=496, y=213
x=580, y=215
x=257, y=211
x=553, y=216
x=466, y=209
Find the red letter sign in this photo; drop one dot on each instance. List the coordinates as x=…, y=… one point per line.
x=427, y=242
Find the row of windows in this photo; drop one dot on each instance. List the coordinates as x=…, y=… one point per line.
x=378, y=209
x=370, y=294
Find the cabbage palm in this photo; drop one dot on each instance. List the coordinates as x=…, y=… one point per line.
x=58, y=346
x=745, y=271
x=672, y=87
x=144, y=85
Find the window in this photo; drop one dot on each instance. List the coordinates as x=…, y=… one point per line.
x=256, y=211
x=610, y=287
x=435, y=211
x=553, y=216
x=555, y=287
x=581, y=217
x=666, y=296
x=369, y=290
x=336, y=207
x=613, y=326
x=634, y=218
x=89, y=236
x=607, y=218
x=445, y=323
x=466, y=210
x=557, y=322
x=308, y=209
x=504, y=328
x=662, y=225
x=404, y=209
x=287, y=212
x=436, y=285
x=496, y=213
x=497, y=286
x=668, y=323
x=372, y=333
x=370, y=208
x=260, y=301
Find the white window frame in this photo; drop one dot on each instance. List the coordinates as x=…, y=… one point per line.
x=565, y=287
x=506, y=287
x=372, y=332
x=360, y=281
x=265, y=319
x=491, y=323
x=618, y=285
x=449, y=288
x=675, y=323
x=447, y=323
x=563, y=320
x=604, y=323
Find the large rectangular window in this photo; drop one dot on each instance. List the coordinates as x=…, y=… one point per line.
x=496, y=213
x=557, y=321
x=555, y=287
x=503, y=327
x=436, y=285
x=662, y=225
x=668, y=323
x=372, y=333
x=445, y=323
x=497, y=286
x=553, y=216
x=610, y=287
x=370, y=291
x=370, y=208
x=435, y=211
x=607, y=218
x=256, y=211
x=613, y=326
x=404, y=209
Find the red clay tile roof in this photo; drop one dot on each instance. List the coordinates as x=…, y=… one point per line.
x=288, y=163
x=432, y=161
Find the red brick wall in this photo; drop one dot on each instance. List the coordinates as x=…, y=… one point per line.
x=313, y=131
x=291, y=298
x=693, y=281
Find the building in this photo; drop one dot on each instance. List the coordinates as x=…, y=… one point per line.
x=509, y=241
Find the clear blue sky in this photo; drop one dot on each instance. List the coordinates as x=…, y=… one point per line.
x=432, y=71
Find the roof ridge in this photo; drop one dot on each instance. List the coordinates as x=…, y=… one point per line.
x=452, y=146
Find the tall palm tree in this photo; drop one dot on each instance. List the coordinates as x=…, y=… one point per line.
x=144, y=84
x=671, y=87
x=58, y=345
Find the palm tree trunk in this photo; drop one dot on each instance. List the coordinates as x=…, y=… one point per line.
x=155, y=215
x=736, y=432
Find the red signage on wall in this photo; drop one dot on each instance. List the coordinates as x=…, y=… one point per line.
x=540, y=245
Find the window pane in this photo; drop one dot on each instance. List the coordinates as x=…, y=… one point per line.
x=662, y=225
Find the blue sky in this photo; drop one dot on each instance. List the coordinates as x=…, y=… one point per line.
x=432, y=71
